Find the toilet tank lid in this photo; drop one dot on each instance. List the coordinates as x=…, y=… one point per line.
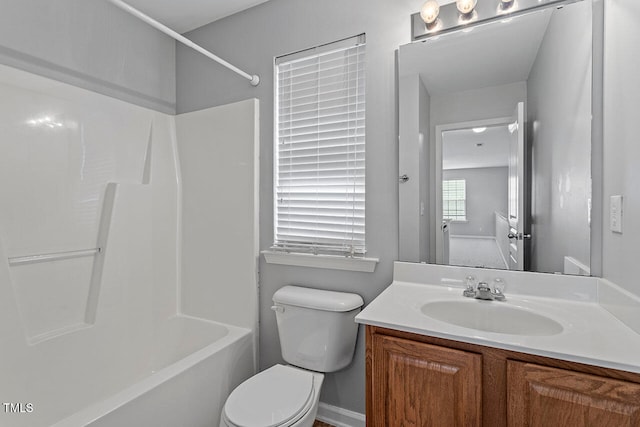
x=317, y=298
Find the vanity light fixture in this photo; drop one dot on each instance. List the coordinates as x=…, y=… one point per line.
x=505, y=5
x=440, y=17
x=429, y=14
x=430, y=11
x=466, y=7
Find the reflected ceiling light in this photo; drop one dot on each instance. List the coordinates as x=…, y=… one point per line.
x=430, y=11
x=479, y=130
x=466, y=7
x=45, y=121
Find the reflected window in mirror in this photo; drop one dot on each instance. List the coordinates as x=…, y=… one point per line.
x=454, y=196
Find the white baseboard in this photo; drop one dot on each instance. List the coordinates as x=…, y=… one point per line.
x=339, y=417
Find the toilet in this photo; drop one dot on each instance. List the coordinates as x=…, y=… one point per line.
x=317, y=335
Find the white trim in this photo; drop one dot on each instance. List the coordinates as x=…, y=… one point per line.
x=335, y=262
x=472, y=236
x=573, y=266
x=339, y=417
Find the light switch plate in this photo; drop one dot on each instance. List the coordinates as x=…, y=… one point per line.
x=615, y=214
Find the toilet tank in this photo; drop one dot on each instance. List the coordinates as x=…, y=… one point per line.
x=317, y=328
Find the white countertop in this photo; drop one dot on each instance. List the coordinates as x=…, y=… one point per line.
x=590, y=335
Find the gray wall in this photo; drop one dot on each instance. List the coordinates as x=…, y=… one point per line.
x=424, y=126
x=90, y=44
x=559, y=115
x=621, y=148
x=486, y=194
x=409, y=158
x=250, y=40
x=414, y=105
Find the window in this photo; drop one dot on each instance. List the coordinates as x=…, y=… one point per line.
x=454, y=195
x=319, y=188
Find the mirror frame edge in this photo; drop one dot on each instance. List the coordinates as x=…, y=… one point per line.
x=597, y=137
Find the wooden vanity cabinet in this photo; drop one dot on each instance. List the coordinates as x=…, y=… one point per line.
x=416, y=380
x=542, y=396
x=418, y=384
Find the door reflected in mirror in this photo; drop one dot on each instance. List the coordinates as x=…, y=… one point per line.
x=495, y=136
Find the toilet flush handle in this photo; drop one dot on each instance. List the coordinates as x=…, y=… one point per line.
x=277, y=308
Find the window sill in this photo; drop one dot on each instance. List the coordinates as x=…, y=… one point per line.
x=335, y=262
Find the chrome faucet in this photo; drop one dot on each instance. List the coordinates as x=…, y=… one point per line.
x=483, y=291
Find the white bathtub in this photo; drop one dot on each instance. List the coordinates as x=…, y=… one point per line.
x=179, y=377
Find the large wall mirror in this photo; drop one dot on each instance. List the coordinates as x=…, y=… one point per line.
x=495, y=128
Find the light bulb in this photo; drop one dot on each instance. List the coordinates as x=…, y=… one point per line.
x=430, y=11
x=505, y=5
x=466, y=6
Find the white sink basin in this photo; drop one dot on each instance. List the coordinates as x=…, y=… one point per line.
x=492, y=316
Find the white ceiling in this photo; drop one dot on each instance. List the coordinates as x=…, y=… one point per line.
x=460, y=148
x=186, y=15
x=488, y=55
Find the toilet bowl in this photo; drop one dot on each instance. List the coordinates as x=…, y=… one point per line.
x=317, y=333
x=281, y=396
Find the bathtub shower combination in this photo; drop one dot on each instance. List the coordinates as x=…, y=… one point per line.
x=127, y=285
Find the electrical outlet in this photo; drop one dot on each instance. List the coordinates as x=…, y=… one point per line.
x=615, y=214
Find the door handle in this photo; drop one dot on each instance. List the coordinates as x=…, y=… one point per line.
x=519, y=236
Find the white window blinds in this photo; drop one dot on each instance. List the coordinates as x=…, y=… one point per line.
x=320, y=150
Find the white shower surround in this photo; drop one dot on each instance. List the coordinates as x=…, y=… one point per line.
x=85, y=335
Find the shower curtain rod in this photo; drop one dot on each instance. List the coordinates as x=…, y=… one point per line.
x=253, y=79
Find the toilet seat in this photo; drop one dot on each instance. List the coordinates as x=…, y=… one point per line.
x=278, y=396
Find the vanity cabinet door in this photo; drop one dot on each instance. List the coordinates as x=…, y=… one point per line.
x=542, y=396
x=418, y=384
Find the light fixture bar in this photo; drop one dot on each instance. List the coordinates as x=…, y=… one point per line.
x=450, y=19
x=253, y=79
